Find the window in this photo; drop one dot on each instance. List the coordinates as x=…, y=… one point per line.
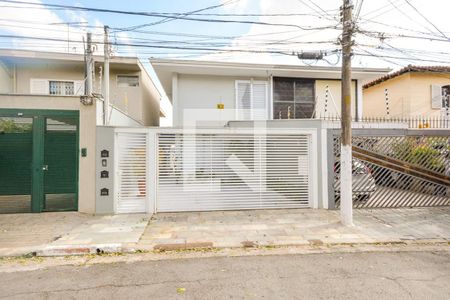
x=446, y=96
x=251, y=100
x=61, y=87
x=293, y=98
x=127, y=81
x=439, y=96
x=56, y=87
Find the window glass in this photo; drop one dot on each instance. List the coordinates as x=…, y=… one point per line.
x=127, y=81
x=293, y=98
x=61, y=87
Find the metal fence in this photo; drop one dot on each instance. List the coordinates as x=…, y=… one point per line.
x=417, y=122
x=397, y=171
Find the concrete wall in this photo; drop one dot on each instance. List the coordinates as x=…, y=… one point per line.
x=40, y=70
x=86, y=181
x=5, y=79
x=200, y=92
x=141, y=103
x=409, y=95
x=150, y=101
x=334, y=87
x=420, y=96
x=105, y=141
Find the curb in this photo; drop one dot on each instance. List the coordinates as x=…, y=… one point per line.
x=66, y=250
x=88, y=249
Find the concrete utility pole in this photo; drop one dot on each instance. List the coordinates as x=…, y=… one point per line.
x=89, y=65
x=346, y=121
x=106, y=77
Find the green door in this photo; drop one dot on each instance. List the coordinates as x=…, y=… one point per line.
x=41, y=166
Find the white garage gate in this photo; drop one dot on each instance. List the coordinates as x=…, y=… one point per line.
x=203, y=172
x=169, y=170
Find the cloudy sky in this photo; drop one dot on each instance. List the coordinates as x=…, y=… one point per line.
x=390, y=33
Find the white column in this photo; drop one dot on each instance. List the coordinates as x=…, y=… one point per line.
x=175, y=108
x=346, y=185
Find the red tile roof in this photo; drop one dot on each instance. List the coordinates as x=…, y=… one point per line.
x=407, y=69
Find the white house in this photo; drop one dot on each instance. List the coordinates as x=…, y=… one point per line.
x=203, y=91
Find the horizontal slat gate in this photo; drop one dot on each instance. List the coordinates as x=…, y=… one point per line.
x=132, y=172
x=204, y=172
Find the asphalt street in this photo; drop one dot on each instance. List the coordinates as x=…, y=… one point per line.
x=363, y=275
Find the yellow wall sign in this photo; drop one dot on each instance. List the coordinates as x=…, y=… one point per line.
x=220, y=106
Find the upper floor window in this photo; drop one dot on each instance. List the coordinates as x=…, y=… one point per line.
x=127, y=80
x=251, y=100
x=56, y=87
x=293, y=98
x=65, y=88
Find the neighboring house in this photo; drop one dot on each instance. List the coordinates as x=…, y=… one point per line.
x=213, y=93
x=409, y=92
x=48, y=134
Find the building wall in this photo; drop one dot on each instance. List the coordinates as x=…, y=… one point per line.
x=409, y=95
x=205, y=92
x=141, y=103
x=420, y=95
x=333, y=108
x=150, y=101
x=86, y=179
x=40, y=70
x=5, y=79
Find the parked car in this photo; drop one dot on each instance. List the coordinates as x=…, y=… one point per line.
x=363, y=183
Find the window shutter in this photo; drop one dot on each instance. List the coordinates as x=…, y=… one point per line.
x=39, y=86
x=79, y=87
x=436, y=96
x=259, y=107
x=243, y=100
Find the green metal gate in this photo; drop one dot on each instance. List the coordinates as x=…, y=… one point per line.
x=38, y=160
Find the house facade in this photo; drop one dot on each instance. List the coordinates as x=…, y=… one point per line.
x=409, y=92
x=48, y=130
x=213, y=93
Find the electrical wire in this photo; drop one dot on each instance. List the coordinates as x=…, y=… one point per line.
x=425, y=18
x=152, y=14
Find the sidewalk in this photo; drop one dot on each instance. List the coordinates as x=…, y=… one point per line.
x=60, y=234
x=294, y=228
x=66, y=233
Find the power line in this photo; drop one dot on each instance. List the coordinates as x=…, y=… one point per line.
x=168, y=19
x=152, y=14
x=383, y=35
x=426, y=19
x=284, y=52
x=402, y=58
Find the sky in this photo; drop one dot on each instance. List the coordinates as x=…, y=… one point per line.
x=391, y=33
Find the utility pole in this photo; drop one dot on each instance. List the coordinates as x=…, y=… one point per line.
x=89, y=66
x=106, y=77
x=346, y=116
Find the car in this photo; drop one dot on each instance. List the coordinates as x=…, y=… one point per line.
x=363, y=183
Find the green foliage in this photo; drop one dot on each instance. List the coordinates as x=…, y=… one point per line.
x=419, y=152
x=10, y=126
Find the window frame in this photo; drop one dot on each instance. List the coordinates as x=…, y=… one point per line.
x=128, y=86
x=62, y=89
x=76, y=82
x=311, y=81
x=251, y=82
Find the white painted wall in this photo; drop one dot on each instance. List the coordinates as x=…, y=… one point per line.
x=195, y=97
x=5, y=79
x=195, y=93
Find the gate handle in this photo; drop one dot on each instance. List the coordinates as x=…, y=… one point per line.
x=45, y=167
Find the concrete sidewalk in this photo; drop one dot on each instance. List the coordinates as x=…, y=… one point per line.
x=66, y=233
x=60, y=234
x=294, y=227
